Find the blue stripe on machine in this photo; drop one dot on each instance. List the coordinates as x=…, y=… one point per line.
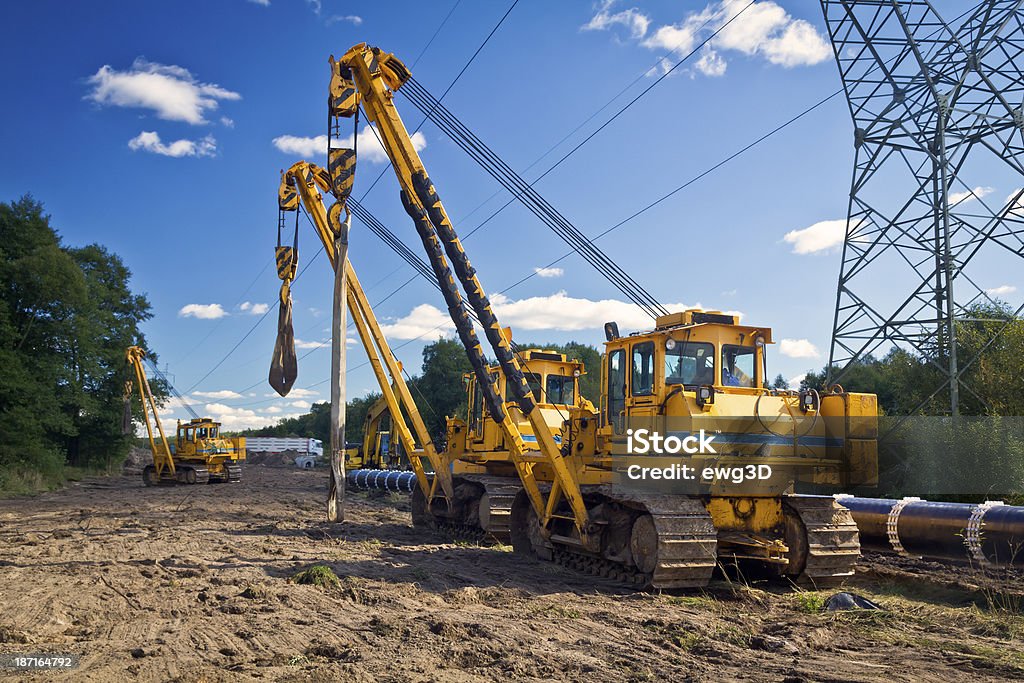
x=531, y=438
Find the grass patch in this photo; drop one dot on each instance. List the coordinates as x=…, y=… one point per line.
x=317, y=575
x=809, y=602
x=697, y=601
x=22, y=480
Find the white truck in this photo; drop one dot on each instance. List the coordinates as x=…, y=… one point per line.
x=309, y=449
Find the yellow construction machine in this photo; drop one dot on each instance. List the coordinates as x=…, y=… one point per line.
x=199, y=454
x=554, y=475
x=379, y=448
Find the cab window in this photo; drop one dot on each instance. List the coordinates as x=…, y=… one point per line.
x=690, y=363
x=213, y=432
x=476, y=406
x=533, y=380
x=190, y=434
x=560, y=389
x=202, y=432
x=616, y=387
x=643, y=369
x=738, y=366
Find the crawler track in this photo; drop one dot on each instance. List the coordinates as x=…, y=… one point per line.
x=833, y=542
x=482, y=516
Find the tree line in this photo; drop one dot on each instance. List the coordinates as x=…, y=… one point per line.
x=441, y=379
x=67, y=315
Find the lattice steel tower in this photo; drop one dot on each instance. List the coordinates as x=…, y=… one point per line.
x=935, y=213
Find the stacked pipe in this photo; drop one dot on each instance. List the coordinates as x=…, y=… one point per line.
x=382, y=480
x=989, y=533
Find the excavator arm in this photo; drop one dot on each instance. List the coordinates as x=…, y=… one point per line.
x=366, y=75
x=303, y=183
x=163, y=461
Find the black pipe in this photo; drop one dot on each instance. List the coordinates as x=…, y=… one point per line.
x=941, y=530
x=382, y=480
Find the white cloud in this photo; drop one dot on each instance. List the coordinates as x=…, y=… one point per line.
x=367, y=145
x=822, y=236
x=549, y=272
x=353, y=19
x=171, y=405
x=273, y=410
x=711, y=63
x=632, y=19
x=202, y=311
x=300, y=344
x=300, y=393
x=220, y=394
x=680, y=38
x=263, y=3
x=149, y=141
x=558, y=311
x=1001, y=290
x=254, y=309
x=226, y=122
x=794, y=382
x=232, y=418
x=300, y=404
x=764, y=29
x=422, y=321
x=172, y=92
x=969, y=195
x=798, y=348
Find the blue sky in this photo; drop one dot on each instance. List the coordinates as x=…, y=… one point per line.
x=160, y=130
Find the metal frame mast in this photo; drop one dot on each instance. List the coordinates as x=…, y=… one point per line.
x=937, y=112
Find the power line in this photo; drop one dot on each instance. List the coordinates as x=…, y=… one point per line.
x=691, y=181
x=455, y=80
x=538, y=205
x=219, y=322
x=375, y=225
x=418, y=57
x=525, y=193
x=642, y=210
x=459, y=133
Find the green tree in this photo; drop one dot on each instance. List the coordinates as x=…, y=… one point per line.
x=439, y=391
x=66, y=317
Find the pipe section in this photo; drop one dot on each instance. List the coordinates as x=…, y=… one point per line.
x=382, y=480
x=988, y=533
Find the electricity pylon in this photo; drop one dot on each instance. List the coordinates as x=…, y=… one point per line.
x=937, y=115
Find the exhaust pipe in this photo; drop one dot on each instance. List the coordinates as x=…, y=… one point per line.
x=989, y=533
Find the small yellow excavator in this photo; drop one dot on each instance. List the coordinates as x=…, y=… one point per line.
x=377, y=446
x=199, y=454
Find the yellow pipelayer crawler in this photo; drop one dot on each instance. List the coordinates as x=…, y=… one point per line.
x=200, y=454
x=480, y=506
x=695, y=370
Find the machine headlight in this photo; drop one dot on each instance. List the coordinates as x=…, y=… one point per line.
x=670, y=343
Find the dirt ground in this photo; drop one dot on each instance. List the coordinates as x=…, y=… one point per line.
x=192, y=584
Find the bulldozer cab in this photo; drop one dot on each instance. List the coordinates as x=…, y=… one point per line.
x=695, y=353
x=554, y=381
x=201, y=438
